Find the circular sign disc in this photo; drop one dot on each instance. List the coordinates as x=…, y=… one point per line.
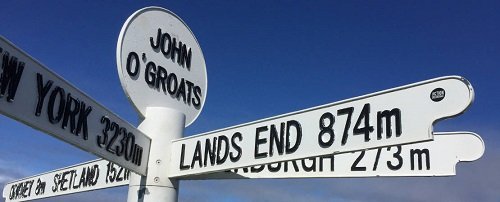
x=160, y=63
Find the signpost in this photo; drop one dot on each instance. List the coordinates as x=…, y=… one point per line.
x=160, y=63
x=162, y=71
x=433, y=158
x=35, y=96
x=93, y=175
x=392, y=117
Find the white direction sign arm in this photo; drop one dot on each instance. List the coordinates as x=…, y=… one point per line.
x=432, y=158
x=93, y=175
x=34, y=95
x=392, y=117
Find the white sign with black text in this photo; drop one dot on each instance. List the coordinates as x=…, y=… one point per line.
x=93, y=175
x=392, y=117
x=160, y=63
x=34, y=95
x=433, y=158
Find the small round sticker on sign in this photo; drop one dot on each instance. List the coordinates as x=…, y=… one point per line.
x=437, y=94
x=160, y=63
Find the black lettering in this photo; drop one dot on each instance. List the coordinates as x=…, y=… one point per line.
x=221, y=160
x=161, y=76
x=332, y=162
x=114, y=127
x=21, y=190
x=397, y=156
x=129, y=146
x=95, y=175
x=274, y=169
x=56, y=183
x=377, y=157
x=102, y=140
x=40, y=187
x=170, y=48
x=210, y=151
x=153, y=45
x=274, y=139
x=346, y=111
x=57, y=91
x=197, y=155
x=326, y=130
x=419, y=153
x=12, y=193
x=42, y=92
x=70, y=113
x=298, y=139
x=133, y=56
x=186, y=57
x=181, y=91
x=257, y=169
x=355, y=166
x=12, y=70
x=30, y=186
x=127, y=174
x=309, y=168
x=237, y=147
x=182, y=166
x=176, y=50
x=172, y=84
x=294, y=164
x=150, y=75
x=121, y=148
x=72, y=180
x=108, y=169
x=91, y=175
x=64, y=181
x=387, y=115
x=197, y=97
x=137, y=159
x=78, y=184
x=84, y=177
x=119, y=177
x=259, y=141
x=367, y=129
x=112, y=174
x=189, y=85
x=82, y=125
x=164, y=44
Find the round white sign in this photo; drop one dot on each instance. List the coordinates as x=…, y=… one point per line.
x=160, y=63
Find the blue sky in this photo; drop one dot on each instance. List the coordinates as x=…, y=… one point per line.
x=267, y=58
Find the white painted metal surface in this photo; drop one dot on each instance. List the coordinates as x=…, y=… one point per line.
x=92, y=175
x=35, y=96
x=160, y=63
x=163, y=125
x=432, y=158
x=392, y=117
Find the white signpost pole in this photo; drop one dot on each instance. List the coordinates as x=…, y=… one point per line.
x=162, y=71
x=162, y=125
